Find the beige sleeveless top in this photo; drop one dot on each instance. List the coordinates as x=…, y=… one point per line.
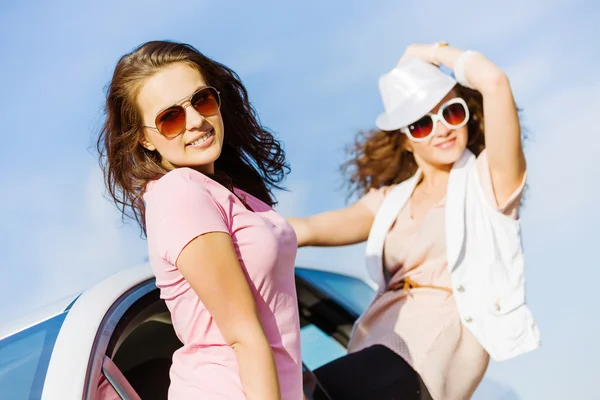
x=419, y=319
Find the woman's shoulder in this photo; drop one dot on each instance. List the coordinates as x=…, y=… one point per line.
x=375, y=196
x=178, y=177
x=181, y=181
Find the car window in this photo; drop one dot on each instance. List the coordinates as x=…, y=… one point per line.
x=351, y=293
x=24, y=359
x=318, y=348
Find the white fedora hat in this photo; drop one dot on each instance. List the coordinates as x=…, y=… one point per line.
x=410, y=91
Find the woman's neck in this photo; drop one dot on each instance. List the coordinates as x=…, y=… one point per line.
x=434, y=176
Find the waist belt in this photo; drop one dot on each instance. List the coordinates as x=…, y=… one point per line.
x=407, y=284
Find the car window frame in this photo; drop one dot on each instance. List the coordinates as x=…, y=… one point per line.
x=104, y=334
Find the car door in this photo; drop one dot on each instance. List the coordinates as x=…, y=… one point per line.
x=81, y=359
x=118, y=340
x=143, y=341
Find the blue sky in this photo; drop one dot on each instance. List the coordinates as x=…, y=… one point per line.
x=311, y=69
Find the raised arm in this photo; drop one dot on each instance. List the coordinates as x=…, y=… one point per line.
x=210, y=264
x=341, y=227
x=502, y=129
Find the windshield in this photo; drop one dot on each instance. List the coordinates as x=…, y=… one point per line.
x=24, y=359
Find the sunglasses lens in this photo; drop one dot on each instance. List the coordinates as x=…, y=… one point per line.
x=454, y=114
x=422, y=128
x=171, y=122
x=206, y=101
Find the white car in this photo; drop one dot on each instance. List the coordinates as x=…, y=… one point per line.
x=119, y=332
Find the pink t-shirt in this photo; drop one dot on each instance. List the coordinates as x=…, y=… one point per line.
x=184, y=204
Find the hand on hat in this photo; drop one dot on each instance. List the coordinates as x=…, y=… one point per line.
x=425, y=52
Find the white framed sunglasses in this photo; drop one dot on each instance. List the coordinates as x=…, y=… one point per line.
x=453, y=114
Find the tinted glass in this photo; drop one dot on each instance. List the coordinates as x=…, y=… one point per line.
x=318, y=348
x=351, y=293
x=24, y=359
x=455, y=114
x=422, y=128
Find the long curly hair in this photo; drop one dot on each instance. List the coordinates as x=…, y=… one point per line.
x=378, y=158
x=251, y=158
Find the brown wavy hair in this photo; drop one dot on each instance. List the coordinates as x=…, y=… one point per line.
x=378, y=158
x=251, y=158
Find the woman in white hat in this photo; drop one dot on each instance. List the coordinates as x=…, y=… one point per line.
x=442, y=188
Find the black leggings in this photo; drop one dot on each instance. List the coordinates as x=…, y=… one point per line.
x=374, y=373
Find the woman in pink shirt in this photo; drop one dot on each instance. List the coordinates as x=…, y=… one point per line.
x=184, y=154
x=432, y=125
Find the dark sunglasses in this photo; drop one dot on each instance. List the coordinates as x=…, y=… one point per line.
x=171, y=122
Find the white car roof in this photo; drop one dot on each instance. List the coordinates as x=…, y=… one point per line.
x=51, y=310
